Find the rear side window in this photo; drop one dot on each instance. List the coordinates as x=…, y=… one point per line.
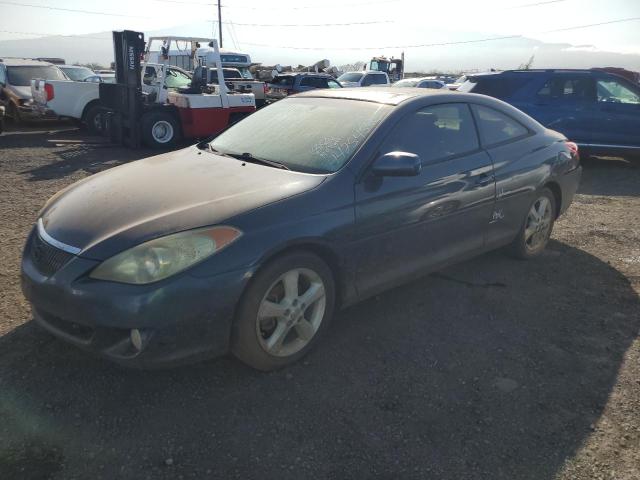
x=283, y=81
x=315, y=82
x=496, y=127
x=374, y=79
x=498, y=86
x=3, y=77
x=568, y=88
x=434, y=133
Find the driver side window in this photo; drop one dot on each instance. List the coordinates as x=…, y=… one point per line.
x=612, y=91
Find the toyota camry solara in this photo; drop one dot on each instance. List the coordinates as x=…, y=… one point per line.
x=249, y=243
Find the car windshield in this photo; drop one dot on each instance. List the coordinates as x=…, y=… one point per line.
x=311, y=135
x=77, y=74
x=406, y=83
x=350, y=77
x=246, y=74
x=20, y=76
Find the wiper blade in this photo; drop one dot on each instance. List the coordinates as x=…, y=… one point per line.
x=247, y=157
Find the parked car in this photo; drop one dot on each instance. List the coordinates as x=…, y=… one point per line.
x=77, y=73
x=424, y=82
x=102, y=78
x=15, y=87
x=364, y=78
x=600, y=111
x=285, y=84
x=250, y=242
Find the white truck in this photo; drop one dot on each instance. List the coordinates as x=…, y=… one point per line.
x=80, y=100
x=171, y=107
x=159, y=51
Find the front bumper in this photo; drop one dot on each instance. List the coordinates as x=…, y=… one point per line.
x=180, y=319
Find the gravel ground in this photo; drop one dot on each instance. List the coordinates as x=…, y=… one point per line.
x=492, y=369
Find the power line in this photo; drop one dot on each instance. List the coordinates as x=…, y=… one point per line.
x=94, y=12
x=89, y=12
x=440, y=44
x=41, y=34
x=346, y=24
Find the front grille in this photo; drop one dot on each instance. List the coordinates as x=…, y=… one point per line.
x=45, y=257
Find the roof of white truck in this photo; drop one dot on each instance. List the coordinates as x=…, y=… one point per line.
x=14, y=62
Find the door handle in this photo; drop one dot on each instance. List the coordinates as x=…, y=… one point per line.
x=484, y=179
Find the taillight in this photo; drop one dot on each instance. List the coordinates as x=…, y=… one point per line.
x=48, y=88
x=265, y=88
x=573, y=148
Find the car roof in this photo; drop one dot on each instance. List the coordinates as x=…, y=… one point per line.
x=27, y=62
x=386, y=95
x=420, y=79
x=293, y=74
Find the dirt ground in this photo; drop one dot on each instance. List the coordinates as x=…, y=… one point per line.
x=492, y=369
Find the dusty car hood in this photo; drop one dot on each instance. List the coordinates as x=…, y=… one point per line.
x=117, y=209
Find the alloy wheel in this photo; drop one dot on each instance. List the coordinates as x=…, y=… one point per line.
x=291, y=312
x=538, y=226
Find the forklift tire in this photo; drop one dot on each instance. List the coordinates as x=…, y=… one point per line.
x=160, y=130
x=93, y=119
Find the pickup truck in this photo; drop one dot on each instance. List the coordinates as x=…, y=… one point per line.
x=234, y=78
x=81, y=100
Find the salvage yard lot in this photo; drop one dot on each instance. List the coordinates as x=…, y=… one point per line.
x=494, y=368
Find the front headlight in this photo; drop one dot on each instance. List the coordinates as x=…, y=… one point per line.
x=160, y=258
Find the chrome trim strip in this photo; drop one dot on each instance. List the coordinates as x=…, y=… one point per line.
x=52, y=241
x=603, y=145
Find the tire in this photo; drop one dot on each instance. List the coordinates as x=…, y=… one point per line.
x=160, y=130
x=267, y=342
x=534, y=234
x=93, y=119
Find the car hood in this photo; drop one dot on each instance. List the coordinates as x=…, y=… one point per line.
x=122, y=207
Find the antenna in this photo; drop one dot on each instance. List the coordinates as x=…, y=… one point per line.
x=220, y=22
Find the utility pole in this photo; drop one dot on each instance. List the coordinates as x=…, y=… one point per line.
x=220, y=22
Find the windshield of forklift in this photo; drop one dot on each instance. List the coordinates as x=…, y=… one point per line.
x=311, y=135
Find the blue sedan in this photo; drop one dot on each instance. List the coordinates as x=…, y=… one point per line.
x=249, y=243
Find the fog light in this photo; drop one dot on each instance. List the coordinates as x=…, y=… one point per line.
x=136, y=339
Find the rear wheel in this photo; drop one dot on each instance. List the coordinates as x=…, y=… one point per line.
x=160, y=130
x=284, y=311
x=537, y=226
x=93, y=119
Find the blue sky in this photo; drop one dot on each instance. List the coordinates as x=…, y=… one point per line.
x=406, y=22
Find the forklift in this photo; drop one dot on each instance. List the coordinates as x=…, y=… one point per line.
x=160, y=119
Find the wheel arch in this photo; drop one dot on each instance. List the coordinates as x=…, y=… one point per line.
x=321, y=249
x=554, y=187
x=87, y=107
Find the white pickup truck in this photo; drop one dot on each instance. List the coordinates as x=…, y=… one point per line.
x=81, y=100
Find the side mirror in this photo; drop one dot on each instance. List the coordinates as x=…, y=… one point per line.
x=397, y=164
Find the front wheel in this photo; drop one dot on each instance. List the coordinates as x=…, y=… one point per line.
x=283, y=312
x=160, y=130
x=537, y=226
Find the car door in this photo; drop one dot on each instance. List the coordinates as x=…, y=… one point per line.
x=566, y=103
x=512, y=148
x=406, y=225
x=618, y=107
